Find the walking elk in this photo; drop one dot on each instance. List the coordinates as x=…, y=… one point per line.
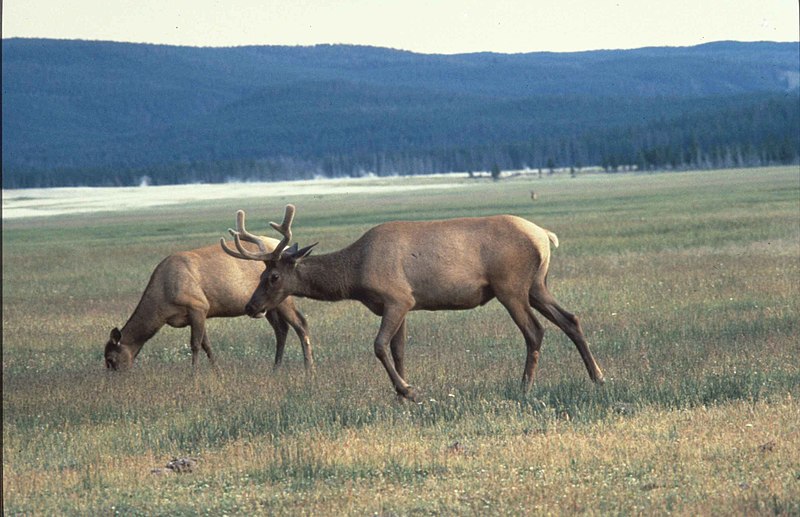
x=398, y=267
x=187, y=288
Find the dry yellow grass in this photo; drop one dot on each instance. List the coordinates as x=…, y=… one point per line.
x=738, y=457
x=695, y=320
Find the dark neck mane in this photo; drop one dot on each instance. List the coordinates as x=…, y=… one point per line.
x=327, y=277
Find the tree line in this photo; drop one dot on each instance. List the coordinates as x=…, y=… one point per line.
x=748, y=134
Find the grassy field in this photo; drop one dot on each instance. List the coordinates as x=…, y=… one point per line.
x=687, y=285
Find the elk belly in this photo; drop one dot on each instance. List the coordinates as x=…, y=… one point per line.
x=454, y=297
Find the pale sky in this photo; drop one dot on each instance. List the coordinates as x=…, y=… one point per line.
x=427, y=26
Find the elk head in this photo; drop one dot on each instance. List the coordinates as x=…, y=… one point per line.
x=277, y=279
x=117, y=356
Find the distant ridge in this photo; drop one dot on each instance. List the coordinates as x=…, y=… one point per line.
x=97, y=113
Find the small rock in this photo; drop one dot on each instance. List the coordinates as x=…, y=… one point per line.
x=182, y=465
x=621, y=408
x=457, y=448
x=528, y=431
x=767, y=447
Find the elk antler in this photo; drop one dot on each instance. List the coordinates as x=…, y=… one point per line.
x=241, y=234
x=285, y=229
x=245, y=235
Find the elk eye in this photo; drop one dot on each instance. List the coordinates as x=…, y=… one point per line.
x=273, y=278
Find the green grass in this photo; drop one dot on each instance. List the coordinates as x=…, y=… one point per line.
x=687, y=285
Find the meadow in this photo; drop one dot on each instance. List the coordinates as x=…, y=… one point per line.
x=687, y=286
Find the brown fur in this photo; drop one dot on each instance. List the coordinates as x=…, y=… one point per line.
x=399, y=267
x=187, y=288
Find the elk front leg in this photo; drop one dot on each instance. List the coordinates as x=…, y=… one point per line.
x=295, y=318
x=206, y=343
x=393, y=320
x=281, y=329
x=211, y=358
x=197, y=320
x=199, y=339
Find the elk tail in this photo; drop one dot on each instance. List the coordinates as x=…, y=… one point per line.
x=553, y=238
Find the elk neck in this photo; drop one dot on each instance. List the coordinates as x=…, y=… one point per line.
x=141, y=326
x=326, y=277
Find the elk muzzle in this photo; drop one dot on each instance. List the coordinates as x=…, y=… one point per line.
x=117, y=362
x=253, y=311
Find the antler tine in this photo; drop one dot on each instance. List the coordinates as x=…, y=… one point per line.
x=232, y=253
x=242, y=253
x=285, y=229
x=243, y=234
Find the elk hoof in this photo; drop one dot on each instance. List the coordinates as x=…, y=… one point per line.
x=409, y=393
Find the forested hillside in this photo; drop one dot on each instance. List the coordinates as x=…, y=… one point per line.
x=99, y=113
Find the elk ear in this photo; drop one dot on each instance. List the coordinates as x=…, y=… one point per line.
x=295, y=254
x=304, y=252
x=116, y=336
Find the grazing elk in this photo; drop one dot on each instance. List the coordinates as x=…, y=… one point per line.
x=187, y=288
x=399, y=267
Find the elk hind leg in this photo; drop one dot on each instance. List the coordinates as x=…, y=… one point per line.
x=544, y=302
x=532, y=331
x=398, y=345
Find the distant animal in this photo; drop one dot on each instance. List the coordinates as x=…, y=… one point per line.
x=398, y=267
x=534, y=195
x=187, y=288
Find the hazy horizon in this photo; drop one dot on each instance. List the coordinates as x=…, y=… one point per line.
x=442, y=27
